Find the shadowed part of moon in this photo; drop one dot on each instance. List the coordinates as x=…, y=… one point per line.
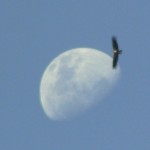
x=75, y=80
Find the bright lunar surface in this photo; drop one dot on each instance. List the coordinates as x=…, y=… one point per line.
x=75, y=80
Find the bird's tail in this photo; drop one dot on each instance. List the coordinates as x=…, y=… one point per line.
x=120, y=51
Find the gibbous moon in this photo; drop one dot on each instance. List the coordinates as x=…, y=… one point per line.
x=75, y=80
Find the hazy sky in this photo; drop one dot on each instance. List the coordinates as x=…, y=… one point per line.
x=33, y=32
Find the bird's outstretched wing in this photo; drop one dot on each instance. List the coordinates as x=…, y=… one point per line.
x=115, y=60
x=115, y=44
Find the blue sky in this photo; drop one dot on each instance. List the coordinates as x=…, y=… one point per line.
x=33, y=32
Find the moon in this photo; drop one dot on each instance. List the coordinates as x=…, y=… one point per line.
x=76, y=80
